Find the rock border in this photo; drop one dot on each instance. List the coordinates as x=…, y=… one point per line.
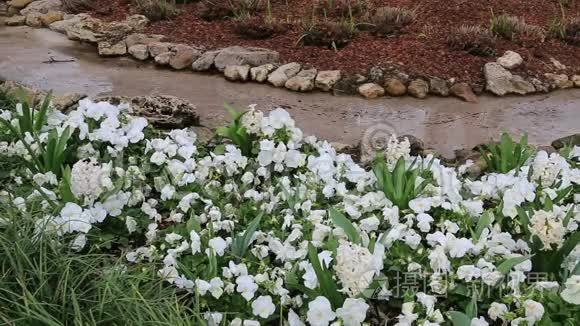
x=243, y=64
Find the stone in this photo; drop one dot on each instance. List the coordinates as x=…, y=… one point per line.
x=539, y=85
x=438, y=86
x=157, y=48
x=65, y=101
x=510, y=60
x=42, y=6
x=33, y=95
x=19, y=4
x=371, y=90
x=205, y=61
x=572, y=140
x=163, y=58
x=86, y=30
x=33, y=20
x=500, y=81
x=238, y=55
x=418, y=88
x=15, y=21
x=325, y=80
x=162, y=111
x=115, y=31
x=464, y=92
x=395, y=87
x=139, y=51
x=260, y=73
x=12, y=11
x=303, y=81
x=376, y=75
x=184, y=56
x=61, y=26
x=51, y=17
x=559, y=80
x=137, y=22
x=107, y=49
x=138, y=38
x=557, y=64
x=576, y=80
x=279, y=76
x=237, y=72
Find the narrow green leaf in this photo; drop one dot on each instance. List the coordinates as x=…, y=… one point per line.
x=508, y=264
x=459, y=318
x=344, y=223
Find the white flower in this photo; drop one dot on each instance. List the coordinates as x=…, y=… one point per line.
x=497, y=310
x=79, y=242
x=548, y=228
x=87, y=179
x=216, y=287
x=468, y=273
x=294, y=319
x=355, y=267
x=263, y=306
x=195, y=242
x=353, y=312
x=571, y=293
x=219, y=245
x=246, y=286
x=131, y=224
x=534, y=310
x=172, y=237
x=320, y=312
x=479, y=322
x=167, y=192
x=202, y=286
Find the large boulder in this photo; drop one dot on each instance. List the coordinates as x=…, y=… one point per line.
x=500, y=81
x=303, y=81
x=42, y=7
x=559, y=80
x=325, y=80
x=205, y=61
x=51, y=17
x=61, y=26
x=418, y=88
x=510, y=60
x=66, y=101
x=371, y=90
x=438, y=86
x=86, y=30
x=238, y=55
x=19, y=4
x=145, y=39
x=395, y=87
x=464, y=92
x=108, y=49
x=137, y=22
x=33, y=20
x=156, y=48
x=139, y=51
x=162, y=111
x=279, y=76
x=164, y=58
x=183, y=56
x=260, y=73
x=15, y=21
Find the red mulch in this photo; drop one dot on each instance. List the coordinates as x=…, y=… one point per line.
x=428, y=55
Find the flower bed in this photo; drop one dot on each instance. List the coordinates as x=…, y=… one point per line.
x=263, y=225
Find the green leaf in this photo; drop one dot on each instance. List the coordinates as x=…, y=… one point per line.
x=459, y=318
x=39, y=120
x=569, y=245
x=241, y=242
x=326, y=283
x=471, y=309
x=484, y=221
x=507, y=264
x=344, y=223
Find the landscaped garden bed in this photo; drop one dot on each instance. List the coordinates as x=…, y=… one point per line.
x=385, y=47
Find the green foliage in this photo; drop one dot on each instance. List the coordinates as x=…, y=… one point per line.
x=44, y=283
x=236, y=132
x=389, y=20
x=156, y=10
x=509, y=27
x=241, y=242
x=327, y=285
x=399, y=185
x=334, y=35
x=474, y=40
x=345, y=224
x=507, y=155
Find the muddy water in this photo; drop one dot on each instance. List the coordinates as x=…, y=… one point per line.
x=443, y=123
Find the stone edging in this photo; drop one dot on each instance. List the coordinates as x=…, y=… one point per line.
x=241, y=64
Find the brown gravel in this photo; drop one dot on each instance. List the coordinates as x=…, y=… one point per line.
x=420, y=49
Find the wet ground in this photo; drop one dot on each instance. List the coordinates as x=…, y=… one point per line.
x=443, y=123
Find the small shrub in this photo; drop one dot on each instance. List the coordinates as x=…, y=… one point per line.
x=472, y=39
x=256, y=27
x=568, y=30
x=155, y=10
x=389, y=20
x=340, y=8
x=76, y=6
x=327, y=33
x=506, y=155
x=220, y=9
x=509, y=27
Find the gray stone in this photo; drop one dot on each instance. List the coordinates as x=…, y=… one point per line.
x=438, y=86
x=500, y=81
x=371, y=90
x=303, y=81
x=19, y=4
x=139, y=51
x=137, y=22
x=238, y=55
x=279, y=76
x=558, y=64
x=138, y=38
x=325, y=80
x=107, y=49
x=156, y=48
x=260, y=73
x=237, y=72
x=576, y=80
x=510, y=60
x=464, y=92
x=572, y=140
x=395, y=87
x=87, y=30
x=68, y=20
x=184, y=56
x=163, y=58
x=15, y=21
x=51, y=17
x=205, y=61
x=559, y=80
x=539, y=86
x=33, y=20
x=418, y=88
x=63, y=102
x=42, y=6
